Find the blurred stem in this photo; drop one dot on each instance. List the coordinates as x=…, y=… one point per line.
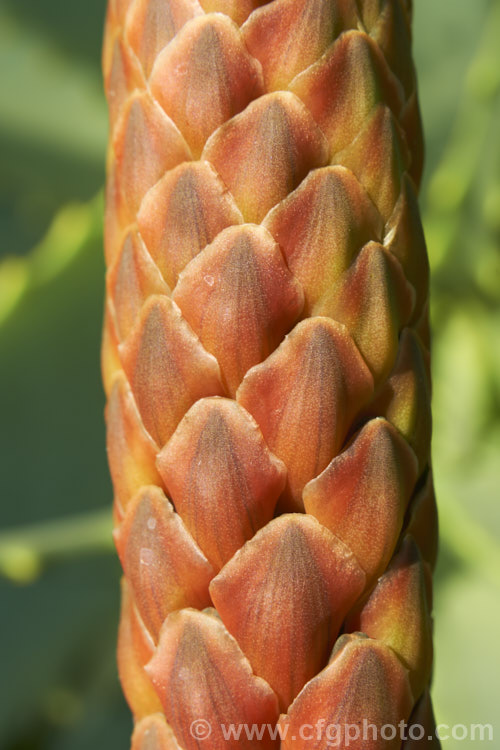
x=24, y=552
x=73, y=226
x=469, y=541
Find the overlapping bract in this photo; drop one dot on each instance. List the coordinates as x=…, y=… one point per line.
x=265, y=356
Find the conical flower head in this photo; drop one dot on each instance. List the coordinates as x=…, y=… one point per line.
x=265, y=357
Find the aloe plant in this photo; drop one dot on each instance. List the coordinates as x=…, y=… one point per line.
x=265, y=357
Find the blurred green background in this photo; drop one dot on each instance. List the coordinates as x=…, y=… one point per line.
x=58, y=573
